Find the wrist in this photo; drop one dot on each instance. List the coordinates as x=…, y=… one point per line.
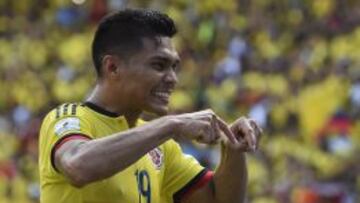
x=228, y=149
x=171, y=125
x=174, y=125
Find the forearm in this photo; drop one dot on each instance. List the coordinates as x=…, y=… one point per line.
x=102, y=158
x=230, y=179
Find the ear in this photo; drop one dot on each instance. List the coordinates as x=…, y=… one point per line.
x=111, y=66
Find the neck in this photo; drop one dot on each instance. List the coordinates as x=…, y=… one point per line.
x=103, y=97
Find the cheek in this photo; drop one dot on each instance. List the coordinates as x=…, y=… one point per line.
x=144, y=88
x=144, y=83
x=151, y=82
x=147, y=89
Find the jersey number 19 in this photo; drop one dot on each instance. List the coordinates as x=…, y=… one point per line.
x=144, y=187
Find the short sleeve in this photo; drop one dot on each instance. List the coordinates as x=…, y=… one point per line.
x=182, y=171
x=59, y=127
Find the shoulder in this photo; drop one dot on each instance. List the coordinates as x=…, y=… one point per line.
x=66, y=110
x=64, y=117
x=69, y=110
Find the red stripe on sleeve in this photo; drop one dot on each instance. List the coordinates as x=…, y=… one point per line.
x=68, y=138
x=61, y=142
x=201, y=183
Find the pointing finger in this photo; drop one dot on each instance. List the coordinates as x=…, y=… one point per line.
x=228, y=133
x=258, y=130
x=248, y=131
x=216, y=130
x=248, y=136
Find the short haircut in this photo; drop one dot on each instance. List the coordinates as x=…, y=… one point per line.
x=122, y=32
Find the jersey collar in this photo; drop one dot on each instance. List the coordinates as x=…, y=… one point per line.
x=101, y=110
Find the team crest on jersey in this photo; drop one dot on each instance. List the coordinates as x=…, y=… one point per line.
x=157, y=157
x=66, y=125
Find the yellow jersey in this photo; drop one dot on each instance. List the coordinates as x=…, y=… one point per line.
x=163, y=175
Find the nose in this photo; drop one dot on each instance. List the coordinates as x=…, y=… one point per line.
x=171, y=77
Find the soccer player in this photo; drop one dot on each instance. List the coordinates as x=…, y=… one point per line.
x=99, y=151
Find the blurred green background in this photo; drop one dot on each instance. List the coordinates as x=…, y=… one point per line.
x=292, y=65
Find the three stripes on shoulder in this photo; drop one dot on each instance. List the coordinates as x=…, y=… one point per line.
x=67, y=109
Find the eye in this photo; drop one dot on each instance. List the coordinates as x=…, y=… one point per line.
x=158, y=66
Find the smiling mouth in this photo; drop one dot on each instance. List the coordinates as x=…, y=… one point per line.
x=162, y=95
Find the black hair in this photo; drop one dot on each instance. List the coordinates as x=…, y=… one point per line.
x=121, y=32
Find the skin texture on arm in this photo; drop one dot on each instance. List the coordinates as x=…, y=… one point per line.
x=230, y=179
x=232, y=176
x=83, y=162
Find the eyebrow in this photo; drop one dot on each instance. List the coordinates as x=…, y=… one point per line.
x=164, y=58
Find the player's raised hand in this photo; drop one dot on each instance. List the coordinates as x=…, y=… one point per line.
x=247, y=133
x=204, y=126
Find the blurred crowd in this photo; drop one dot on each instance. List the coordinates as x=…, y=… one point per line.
x=292, y=65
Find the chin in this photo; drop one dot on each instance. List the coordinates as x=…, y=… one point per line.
x=158, y=110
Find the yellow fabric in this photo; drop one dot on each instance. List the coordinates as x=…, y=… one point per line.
x=318, y=102
x=173, y=174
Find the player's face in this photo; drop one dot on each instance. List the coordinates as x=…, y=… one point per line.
x=152, y=75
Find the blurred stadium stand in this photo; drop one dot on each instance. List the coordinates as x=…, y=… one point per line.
x=293, y=65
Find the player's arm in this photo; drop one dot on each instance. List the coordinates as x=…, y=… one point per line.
x=230, y=179
x=228, y=183
x=85, y=161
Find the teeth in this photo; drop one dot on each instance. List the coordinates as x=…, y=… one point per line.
x=162, y=94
